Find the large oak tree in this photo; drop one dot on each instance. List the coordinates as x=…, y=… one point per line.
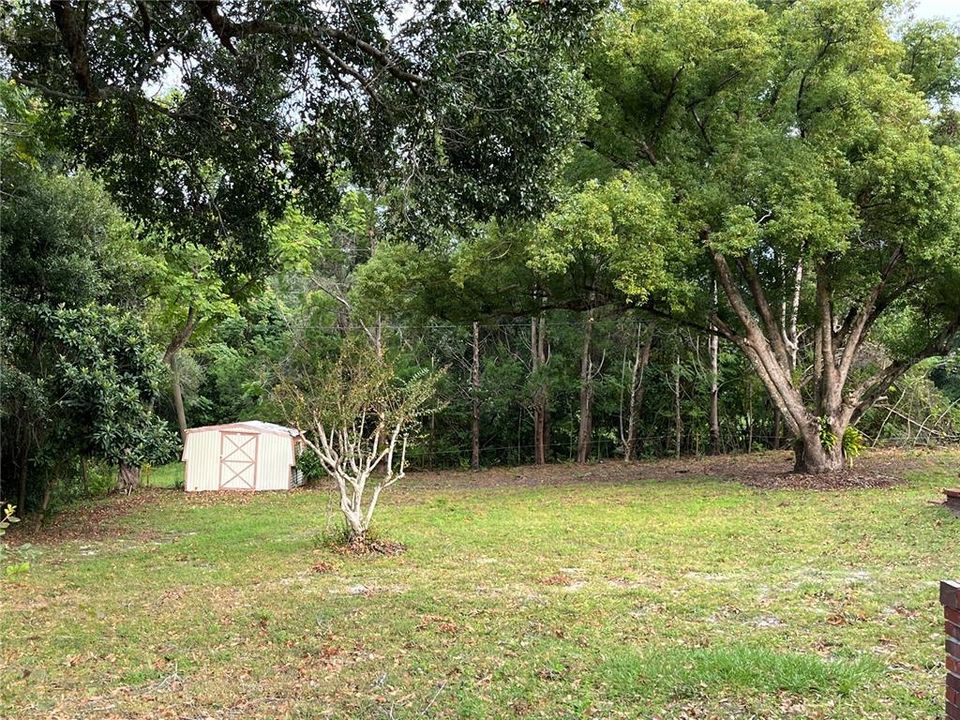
x=802, y=160
x=207, y=116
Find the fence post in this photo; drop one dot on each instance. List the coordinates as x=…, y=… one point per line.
x=950, y=599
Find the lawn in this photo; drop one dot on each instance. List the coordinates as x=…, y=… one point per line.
x=684, y=597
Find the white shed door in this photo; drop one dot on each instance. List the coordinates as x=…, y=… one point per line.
x=238, y=460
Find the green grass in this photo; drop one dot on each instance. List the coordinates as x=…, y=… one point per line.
x=686, y=598
x=692, y=672
x=165, y=476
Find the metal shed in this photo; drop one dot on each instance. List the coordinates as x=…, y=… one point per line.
x=249, y=455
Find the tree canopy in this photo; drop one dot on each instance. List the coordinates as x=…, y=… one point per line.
x=798, y=150
x=80, y=376
x=206, y=116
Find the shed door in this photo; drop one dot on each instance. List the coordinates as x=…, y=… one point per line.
x=238, y=460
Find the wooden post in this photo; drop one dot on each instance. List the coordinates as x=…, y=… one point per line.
x=953, y=498
x=950, y=599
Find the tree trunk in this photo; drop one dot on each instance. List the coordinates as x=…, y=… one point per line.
x=475, y=390
x=546, y=440
x=538, y=457
x=178, y=396
x=356, y=529
x=24, y=473
x=585, y=433
x=789, y=318
x=713, y=343
x=128, y=478
x=47, y=493
x=541, y=417
x=677, y=421
x=176, y=343
x=811, y=457
x=378, y=337
x=640, y=361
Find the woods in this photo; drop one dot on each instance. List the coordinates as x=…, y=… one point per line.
x=663, y=228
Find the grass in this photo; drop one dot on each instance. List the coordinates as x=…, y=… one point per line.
x=166, y=476
x=667, y=599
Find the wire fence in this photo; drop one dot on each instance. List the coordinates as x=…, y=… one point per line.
x=649, y=446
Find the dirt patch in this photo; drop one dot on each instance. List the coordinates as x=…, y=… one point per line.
x=220, y=497
x=771, y=470
x=843, y=480
x=99, y=520
x=877, y=468
x=322, y=567
x=557, y=579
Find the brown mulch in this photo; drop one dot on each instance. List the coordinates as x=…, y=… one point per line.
x=847, y=479
x=362, y=548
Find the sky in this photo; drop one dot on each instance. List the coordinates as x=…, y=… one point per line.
x=949, y=9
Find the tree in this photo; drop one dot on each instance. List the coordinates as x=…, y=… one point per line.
x=78, y=374
x=790, y=137
x=103, y=385
x=187, y=293
x=635, y=389
x=467, y=107
x=357, y=417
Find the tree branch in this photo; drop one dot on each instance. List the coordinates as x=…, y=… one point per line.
x=757, y=347
x=867, y=393
x=75, y=43
x=773, y=331
x=181, y=336
x=830, y=386
x=227, y=30
x=864, y=317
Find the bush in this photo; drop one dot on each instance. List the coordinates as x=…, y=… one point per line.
x=853, y=444
x=312, y=468
x=7, y=518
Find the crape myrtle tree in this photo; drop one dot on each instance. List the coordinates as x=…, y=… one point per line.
x=798, y=153
x=204, y=116
x=357, y=417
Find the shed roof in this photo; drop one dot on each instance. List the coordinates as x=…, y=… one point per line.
x=253, y=426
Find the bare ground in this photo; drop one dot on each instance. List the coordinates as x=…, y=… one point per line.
x=765, y=470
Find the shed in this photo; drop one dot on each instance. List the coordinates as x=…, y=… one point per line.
x=249, y=455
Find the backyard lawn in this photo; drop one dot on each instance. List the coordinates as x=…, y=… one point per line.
x=570, y=592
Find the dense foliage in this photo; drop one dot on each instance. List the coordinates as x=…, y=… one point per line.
x=206, y=117
x=80, y=376
x=688, y=227
x=797, y=146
